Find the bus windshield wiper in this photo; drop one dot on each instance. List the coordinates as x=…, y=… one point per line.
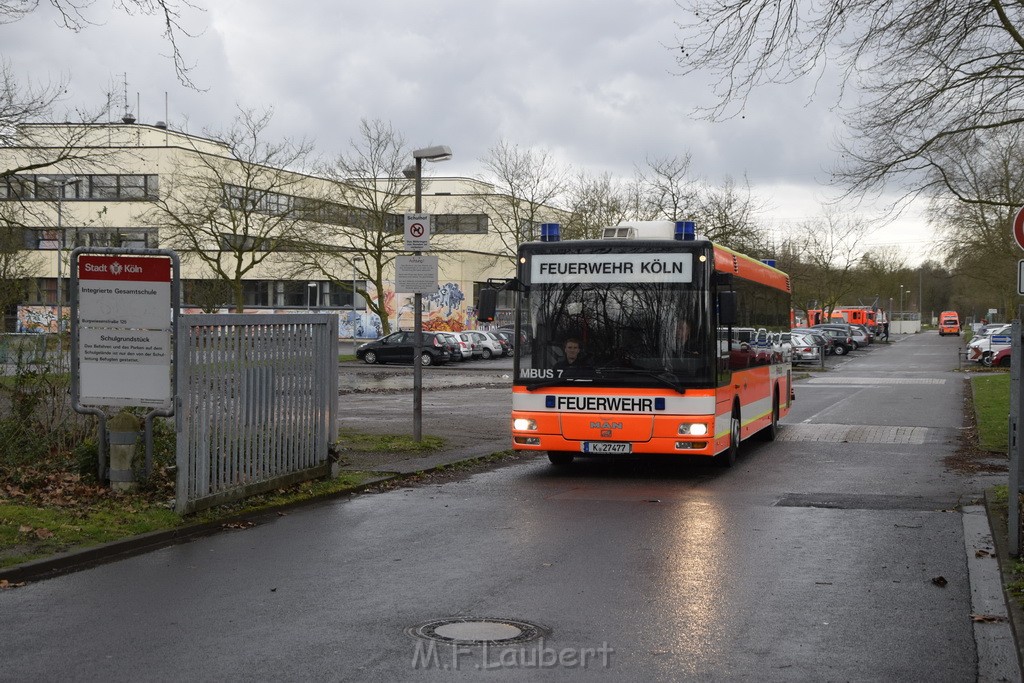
x=666, y=378
x=558, y=382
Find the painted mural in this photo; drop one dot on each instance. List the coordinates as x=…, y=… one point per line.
x=39, y=319
x=447, y=310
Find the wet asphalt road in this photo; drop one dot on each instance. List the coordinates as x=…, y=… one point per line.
x=812, y=559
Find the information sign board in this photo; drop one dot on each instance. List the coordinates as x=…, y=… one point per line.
x=416, y=274
x=124, y=330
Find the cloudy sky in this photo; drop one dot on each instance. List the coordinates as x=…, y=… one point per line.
x=596, y=84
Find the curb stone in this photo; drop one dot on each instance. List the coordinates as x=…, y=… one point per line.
x=997, y=522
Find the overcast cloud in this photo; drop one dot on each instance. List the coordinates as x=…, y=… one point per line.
x=592, y=82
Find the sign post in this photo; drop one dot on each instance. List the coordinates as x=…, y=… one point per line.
x=124, y=310
x=1016, y=447
x=417, y=239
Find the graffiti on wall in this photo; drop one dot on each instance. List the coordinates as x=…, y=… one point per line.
x=445, y=310
x=38, y=319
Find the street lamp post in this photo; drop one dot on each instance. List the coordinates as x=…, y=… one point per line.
x=59, y=186
x=310, y=293
x=435, y=153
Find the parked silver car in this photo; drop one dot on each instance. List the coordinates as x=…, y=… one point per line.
x=804, y=349
x=475, y=350
x=490, y=346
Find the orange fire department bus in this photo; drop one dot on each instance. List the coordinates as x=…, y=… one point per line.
x=649, y=341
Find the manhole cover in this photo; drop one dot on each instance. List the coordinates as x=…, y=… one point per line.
x=476, y=631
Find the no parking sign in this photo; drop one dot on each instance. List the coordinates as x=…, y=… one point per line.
x=417, y=231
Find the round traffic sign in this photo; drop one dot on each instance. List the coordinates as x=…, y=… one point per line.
x=416, y=230
x=1018, y=228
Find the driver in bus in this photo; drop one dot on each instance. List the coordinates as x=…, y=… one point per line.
x=685, y=345
x=574, y=358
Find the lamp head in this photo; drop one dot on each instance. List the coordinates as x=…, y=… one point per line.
x=435, y=153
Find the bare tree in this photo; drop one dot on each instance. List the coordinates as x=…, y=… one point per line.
x=596, y=202
x=74, y=16
x=530, y=184
x=727, y=214
x=923, y=77
x=35, y=147
x=17, y=266
x=371, y=193
x=232, y=210
x=822, y=260
x=667, y=192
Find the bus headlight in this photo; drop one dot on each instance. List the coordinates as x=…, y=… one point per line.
x=522, y=424
x=693, y=429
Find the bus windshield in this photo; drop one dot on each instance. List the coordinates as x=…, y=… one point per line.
x=644, y=334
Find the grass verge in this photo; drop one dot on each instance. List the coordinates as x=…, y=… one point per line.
x=34, y=528
x=991, y=410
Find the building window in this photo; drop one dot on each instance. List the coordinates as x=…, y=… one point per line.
x=19, y=187
x=132, y=187
x=104, y=187
x=45, y=291
x=244, y=243
x=459, y=224
x=48, y=239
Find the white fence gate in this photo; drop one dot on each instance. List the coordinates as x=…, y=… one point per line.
x=257, y=403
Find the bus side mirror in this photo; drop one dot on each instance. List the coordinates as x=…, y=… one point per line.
x=487, y=306
x=727, y=308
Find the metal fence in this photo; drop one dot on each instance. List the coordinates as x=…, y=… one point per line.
x=21, y=348
x=257, y=404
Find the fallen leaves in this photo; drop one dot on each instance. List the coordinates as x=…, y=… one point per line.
x=940, y=581
x=39, y=533
x=53, y=489
x=6, y=585
x=988, y=618
x=244, y=524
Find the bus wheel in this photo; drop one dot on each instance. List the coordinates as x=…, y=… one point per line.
x=772, y=430
x=560, y=458
x=727, y=458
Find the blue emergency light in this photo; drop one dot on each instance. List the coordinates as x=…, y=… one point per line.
x=549, y=232
x=686, y=230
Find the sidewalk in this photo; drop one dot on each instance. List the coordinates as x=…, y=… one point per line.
x=386, y=466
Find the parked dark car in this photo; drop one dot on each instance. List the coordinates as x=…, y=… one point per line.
x=818, y=337
x=454, y=345
x=842, y=339
x=399, y=347
x=507, y=338
x=520, y=345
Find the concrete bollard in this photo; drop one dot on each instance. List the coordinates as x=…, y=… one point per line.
x=123, y=434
